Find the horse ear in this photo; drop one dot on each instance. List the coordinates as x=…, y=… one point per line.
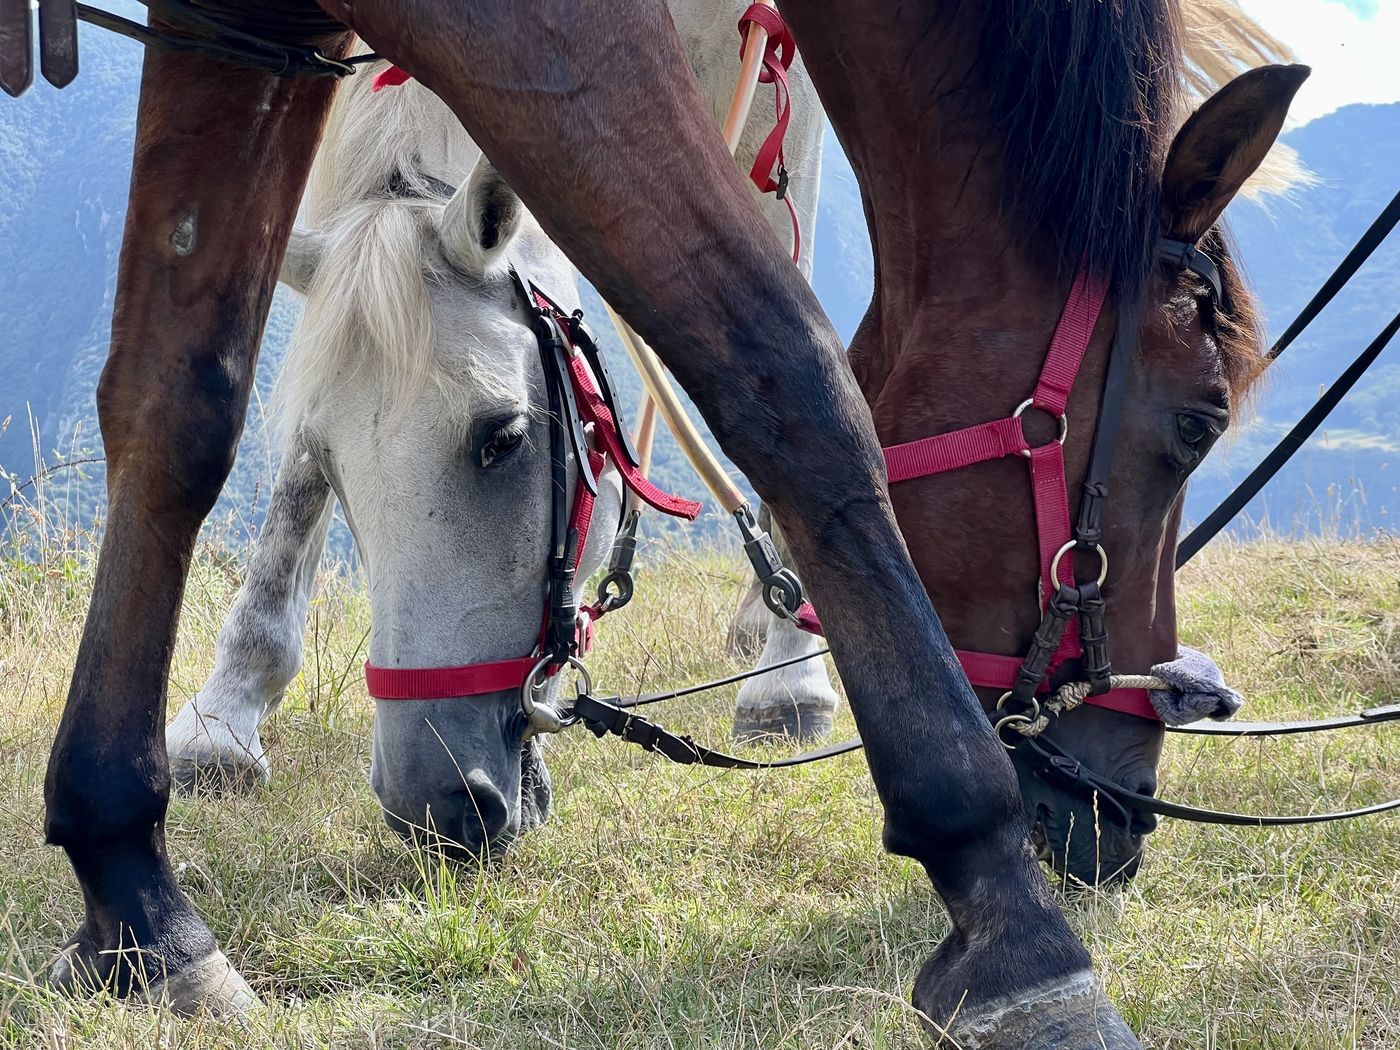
x=299, y=264
x=480, y=220
x=1222, y=144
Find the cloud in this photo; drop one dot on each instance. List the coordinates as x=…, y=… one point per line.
x=1349, y=43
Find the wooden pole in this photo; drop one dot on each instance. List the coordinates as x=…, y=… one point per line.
x=659, y=393
x=646, y=432
x=653, y=374
x=744, y=90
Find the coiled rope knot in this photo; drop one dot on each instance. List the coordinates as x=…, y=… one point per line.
x=1072, y=694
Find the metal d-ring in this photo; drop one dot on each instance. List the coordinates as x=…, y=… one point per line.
x=1061, y=419
x=541, y=717
x=1096, y=548
x=1024, y=718
x=1010, y=720
x=1035, y=704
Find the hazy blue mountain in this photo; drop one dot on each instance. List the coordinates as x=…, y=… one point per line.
x=65, y=166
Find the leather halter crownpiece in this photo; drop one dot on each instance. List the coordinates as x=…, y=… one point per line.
x=580, y=394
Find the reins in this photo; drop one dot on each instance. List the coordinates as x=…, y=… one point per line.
x=1291, y=442
x=204, y=35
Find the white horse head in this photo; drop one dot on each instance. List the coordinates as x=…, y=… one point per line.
x=416, y=383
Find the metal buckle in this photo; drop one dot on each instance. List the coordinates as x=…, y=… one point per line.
x=782, y=590
x=1071, y=545
x=1062, y=419
x=335, y=66
x=543, y=718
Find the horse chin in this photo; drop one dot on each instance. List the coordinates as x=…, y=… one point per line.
x=1082, y=849
x=536, y=787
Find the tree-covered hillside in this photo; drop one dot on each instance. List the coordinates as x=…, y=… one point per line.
x=65, y=161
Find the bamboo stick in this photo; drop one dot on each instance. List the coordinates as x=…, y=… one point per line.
x=653, y=374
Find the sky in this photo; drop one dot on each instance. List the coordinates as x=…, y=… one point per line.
x=1352, y=45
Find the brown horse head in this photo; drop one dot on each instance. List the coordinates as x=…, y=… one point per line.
x=1196, y=359
x=1001, y=154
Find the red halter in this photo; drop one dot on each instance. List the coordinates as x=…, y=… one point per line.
x=1049, y=487
x=580, y=394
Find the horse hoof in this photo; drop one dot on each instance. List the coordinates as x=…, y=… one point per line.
x=210, y=985
x=800, y=721
x=1072, y=1014
x=214, y=774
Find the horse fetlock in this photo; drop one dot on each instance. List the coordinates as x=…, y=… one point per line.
x=749, y=629
x=216, y=754
x=1012, y=973
x=140, y=937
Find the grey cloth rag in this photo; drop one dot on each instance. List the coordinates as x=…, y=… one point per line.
x=1198, y=690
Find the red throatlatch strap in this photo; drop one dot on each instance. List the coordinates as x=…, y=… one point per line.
x=594, y=409
x=1070, y=342
x=583, y=508
x=777, y=58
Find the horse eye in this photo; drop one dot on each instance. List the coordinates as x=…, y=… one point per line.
x=1192, y=430
x=502, y=444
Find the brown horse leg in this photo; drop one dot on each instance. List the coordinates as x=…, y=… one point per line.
x=589, y=109
x=221, y=157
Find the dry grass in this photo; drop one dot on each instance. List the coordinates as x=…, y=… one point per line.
x=668, y=907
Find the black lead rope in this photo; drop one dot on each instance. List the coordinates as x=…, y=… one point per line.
x=1370, y=716
x=612, y=717
x=1264, y=473
x=1284, y=450
x=604, y=717
x=225, y=43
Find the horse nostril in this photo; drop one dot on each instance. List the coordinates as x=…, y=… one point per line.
x=486, y=822
x=470, y=822
x=1144, y=823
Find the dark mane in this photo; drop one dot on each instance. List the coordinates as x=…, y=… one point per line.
x=1082, y=94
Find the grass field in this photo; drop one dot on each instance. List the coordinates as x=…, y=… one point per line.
x=666, y=907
